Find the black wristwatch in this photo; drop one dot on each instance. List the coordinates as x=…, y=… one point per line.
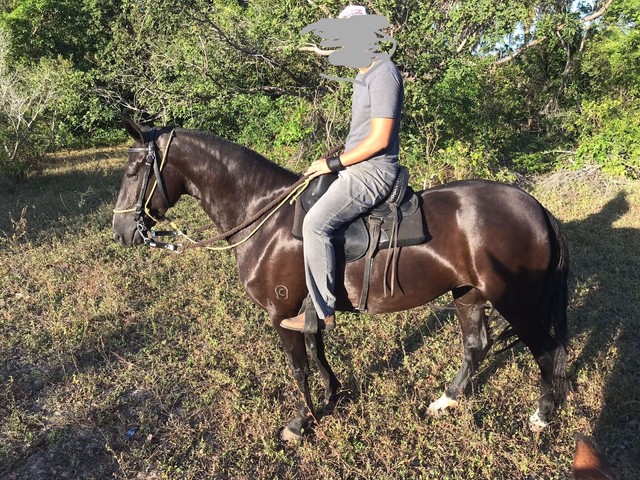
x=334, y=164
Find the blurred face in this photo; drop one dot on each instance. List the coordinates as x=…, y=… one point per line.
x=357, y=39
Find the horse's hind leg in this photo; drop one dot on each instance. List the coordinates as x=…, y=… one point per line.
x=315, y=345
x=543, y=347
x=470, y=308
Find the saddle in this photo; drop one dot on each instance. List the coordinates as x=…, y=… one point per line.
x=396, y=221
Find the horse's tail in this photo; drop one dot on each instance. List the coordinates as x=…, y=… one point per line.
x=555, y=300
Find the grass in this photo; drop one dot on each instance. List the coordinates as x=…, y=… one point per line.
x=132, y=363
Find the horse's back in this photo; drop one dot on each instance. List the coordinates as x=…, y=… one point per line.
x=491, y=232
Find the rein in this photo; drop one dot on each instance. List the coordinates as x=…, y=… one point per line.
x=290, y=195
x=152, y=167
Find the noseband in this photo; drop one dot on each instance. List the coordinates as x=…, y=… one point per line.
x=153, y=167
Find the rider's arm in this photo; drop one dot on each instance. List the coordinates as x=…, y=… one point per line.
x=376, y=141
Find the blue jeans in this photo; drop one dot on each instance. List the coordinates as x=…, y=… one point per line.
x=357, y=189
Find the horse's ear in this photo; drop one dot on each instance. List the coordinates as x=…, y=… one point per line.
x=132, y=128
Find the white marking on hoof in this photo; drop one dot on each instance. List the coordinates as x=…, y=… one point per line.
x=290, y=436
x=536, y=424
x=441, y=404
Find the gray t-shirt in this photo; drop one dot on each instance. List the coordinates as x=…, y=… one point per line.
x=378, y=93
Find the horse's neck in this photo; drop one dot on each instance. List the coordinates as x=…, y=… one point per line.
x=231, y=184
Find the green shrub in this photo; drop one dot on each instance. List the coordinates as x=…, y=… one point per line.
x=34, y=100
x=609, y=134
x=458, y=161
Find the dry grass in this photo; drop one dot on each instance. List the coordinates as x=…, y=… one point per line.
x=119, y=363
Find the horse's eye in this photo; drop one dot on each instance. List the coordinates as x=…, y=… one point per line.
x=131, y=172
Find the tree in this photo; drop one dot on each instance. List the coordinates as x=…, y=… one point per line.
x=494, y=81
x=26, y=93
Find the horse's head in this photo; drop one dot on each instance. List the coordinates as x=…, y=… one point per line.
x=149, y=185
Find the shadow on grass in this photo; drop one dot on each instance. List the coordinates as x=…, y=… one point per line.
x=606, y=274
x=60, y=201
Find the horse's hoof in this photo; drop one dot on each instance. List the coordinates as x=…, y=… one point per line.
x=289, y=436
x=444, y=402
x=536, y=424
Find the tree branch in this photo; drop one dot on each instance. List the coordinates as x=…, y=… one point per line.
x=313, y=48
x=585, y=25
x=520, y=51
x=597, y=14
x=246, y=49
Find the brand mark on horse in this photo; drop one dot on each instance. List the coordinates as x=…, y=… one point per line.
x=282, y=292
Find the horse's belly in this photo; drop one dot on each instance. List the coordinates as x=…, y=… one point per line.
x=419, y=278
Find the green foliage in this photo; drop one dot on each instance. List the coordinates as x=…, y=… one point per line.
x=35, y=101
x=458, y=161
x=612, y=61
x=536, y=162
x=609, y=134
x=235, y=68
x=52, y=28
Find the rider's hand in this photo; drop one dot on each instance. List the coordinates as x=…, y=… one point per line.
x=317, y=168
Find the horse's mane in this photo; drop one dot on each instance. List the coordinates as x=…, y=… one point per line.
x=235, y=149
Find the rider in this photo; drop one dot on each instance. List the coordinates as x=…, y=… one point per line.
x=367, y=168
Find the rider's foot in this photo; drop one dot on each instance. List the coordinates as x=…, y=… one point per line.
x=297, y=323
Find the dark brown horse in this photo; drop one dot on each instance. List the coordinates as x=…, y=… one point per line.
x=488, y=242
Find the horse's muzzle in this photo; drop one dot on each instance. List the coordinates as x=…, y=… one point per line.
x=129, y=240
x=116, y=237
x=125, y=232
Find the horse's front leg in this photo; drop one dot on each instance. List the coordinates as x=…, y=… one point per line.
x=332, y=386
x=470, y=307
x=294, y=348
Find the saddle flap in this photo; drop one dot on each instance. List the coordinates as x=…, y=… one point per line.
x=316, y=188
x=352, y=240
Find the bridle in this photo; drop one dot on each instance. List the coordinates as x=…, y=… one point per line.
x=152, y=168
